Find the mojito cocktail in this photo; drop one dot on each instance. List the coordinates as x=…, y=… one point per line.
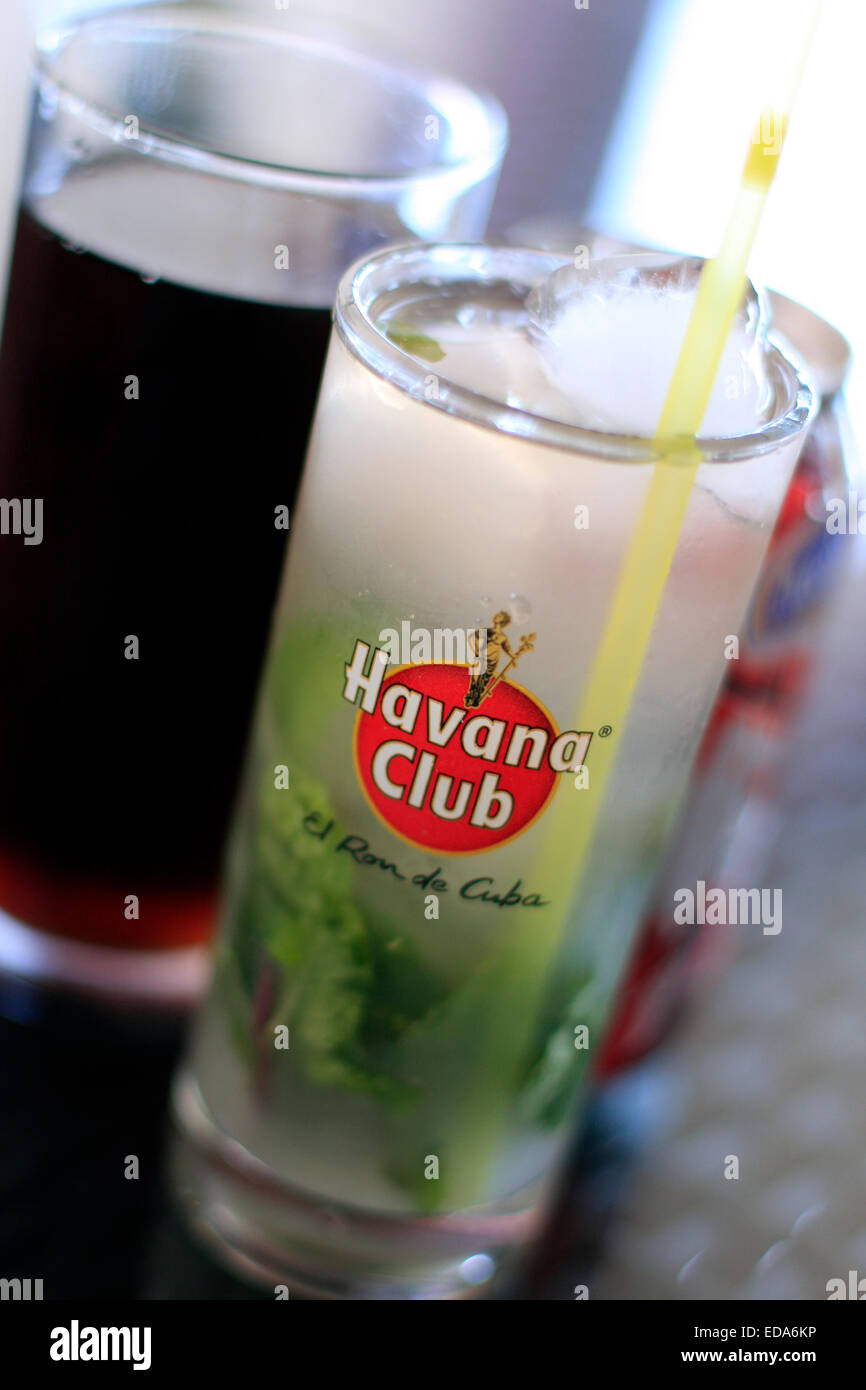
x=406, y=997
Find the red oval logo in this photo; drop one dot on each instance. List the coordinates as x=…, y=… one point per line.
x=450, y=779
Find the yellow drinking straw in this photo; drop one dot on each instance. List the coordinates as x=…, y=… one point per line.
x=610, y=687
x=511, y=985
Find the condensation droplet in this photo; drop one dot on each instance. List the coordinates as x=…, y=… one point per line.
x=690, y=1267
x=476, y=1269
x=520, y=607
x=148, y=279
x=774, y=1256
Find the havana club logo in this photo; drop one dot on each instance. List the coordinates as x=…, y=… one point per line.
x=456, y=759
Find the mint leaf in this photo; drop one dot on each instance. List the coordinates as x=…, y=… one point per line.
x=418, y=344
x=347, y=987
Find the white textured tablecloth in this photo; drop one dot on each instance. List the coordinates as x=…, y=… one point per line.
x=772, y=1068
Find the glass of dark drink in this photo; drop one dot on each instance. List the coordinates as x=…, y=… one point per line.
x=194, y=187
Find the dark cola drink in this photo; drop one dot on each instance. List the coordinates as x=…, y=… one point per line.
x=163, y=430
x=193, y=190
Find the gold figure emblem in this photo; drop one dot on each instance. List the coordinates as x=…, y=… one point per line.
x=494, y=648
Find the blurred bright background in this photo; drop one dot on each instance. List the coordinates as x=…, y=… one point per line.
x=634, y=113
x=702, y=73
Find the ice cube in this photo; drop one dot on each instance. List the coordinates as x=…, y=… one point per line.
x=608, y=339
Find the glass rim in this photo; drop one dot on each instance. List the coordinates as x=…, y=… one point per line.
x=405, y=263
x=444, y=95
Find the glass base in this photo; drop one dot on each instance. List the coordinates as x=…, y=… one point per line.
x=273, y=1234
x=171, y=978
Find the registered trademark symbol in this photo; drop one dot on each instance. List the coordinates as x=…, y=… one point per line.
x=605, y=731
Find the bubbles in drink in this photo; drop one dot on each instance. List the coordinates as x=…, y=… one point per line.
x=482, y=612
